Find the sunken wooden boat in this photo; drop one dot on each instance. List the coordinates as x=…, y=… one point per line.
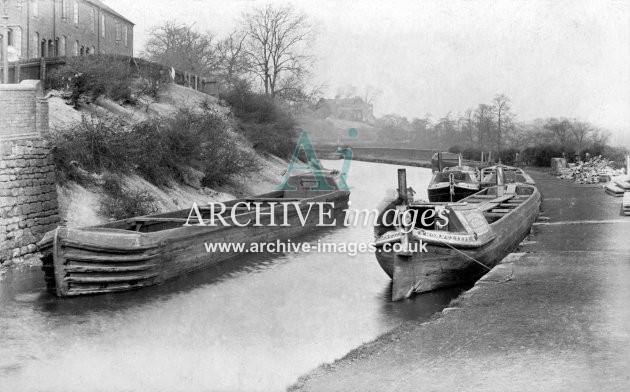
x=479, y=232
x=148, y=250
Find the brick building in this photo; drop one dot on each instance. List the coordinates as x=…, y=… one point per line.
x=51, y=28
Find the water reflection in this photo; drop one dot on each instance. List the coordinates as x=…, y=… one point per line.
x=254, y=323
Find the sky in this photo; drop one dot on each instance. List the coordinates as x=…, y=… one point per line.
x=551, y=58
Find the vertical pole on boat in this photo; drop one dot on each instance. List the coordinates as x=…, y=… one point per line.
x=482, y=157
x=451, y=179
x=402, y=185
x=402, y=208
x=404, y=278
x=460, y=160
x=439, y=164
x=500, y=181
x=489, y=156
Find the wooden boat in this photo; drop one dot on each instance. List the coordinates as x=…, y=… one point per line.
x=453, y=184
x=481, y=230
x=442, y=160
x=511, y=175
x=148, y=250
x=625, y=204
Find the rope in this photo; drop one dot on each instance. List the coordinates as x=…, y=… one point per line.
x=470, y=257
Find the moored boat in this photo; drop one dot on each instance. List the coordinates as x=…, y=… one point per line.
x=148, y=250
x=453, y=184
x=511, y=175
x=478, y=233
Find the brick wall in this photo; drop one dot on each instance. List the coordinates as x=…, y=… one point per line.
x=28, y=191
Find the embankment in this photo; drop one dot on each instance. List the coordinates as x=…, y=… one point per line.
x=552, y=317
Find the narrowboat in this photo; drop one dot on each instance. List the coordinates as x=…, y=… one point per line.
x=453, y=184
x=462, y=240
x=148, y=250
x=511, y=175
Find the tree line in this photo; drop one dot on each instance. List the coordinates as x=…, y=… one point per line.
x=492, y=127
x=269, y=47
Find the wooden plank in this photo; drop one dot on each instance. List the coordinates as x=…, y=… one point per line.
x=108, y=258
x=106, y=278
x=86, y=268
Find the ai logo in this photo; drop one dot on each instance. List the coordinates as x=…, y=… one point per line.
x=314, y=166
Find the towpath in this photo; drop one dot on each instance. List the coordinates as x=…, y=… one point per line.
x=553, y=317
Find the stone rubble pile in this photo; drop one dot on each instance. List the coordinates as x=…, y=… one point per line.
x=593, y=171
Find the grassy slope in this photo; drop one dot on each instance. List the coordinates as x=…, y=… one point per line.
x=79, y=206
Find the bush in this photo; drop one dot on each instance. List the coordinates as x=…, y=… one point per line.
x=508, y=156
x=541, y=155
x=120, y=202
x=269, y=128
x=92, y=145
x=105, y=75
x=160, y=150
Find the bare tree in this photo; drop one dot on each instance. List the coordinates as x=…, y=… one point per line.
x=182, y=47
x=501, y=109
x=561, y=128
x=483, y=119
x=276, y=45
x=231, y=59
x=581, y=131
x=371, y=93
x=469, y=125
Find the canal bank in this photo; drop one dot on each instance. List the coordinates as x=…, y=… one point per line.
x=551, y=317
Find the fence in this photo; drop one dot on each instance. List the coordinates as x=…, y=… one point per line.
x=38, y=68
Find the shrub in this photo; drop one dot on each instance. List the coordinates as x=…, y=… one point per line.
x=541, y=155
x=160, y=150
x=269, y=128
x=92, y=145
x=508, y=156
x=119, y=202
x=105, y=75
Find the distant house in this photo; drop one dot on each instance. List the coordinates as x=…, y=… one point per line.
x=51, y=28
x=355, y=109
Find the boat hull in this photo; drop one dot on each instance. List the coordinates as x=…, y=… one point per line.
x=442, y=266
x=103, y=260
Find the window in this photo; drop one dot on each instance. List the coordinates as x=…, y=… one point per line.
x=35, y=8
x=76, y=48
x=76, y=13
x=15, y=40
x=125, y=35
x=35, y=46
x=64, y=9
x=62, y=46
x=118, y=31
x=102, y=25
x=93, y=21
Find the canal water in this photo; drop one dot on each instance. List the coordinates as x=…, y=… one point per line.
x=255, y=323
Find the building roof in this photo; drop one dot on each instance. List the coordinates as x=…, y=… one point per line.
x=107, y=8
